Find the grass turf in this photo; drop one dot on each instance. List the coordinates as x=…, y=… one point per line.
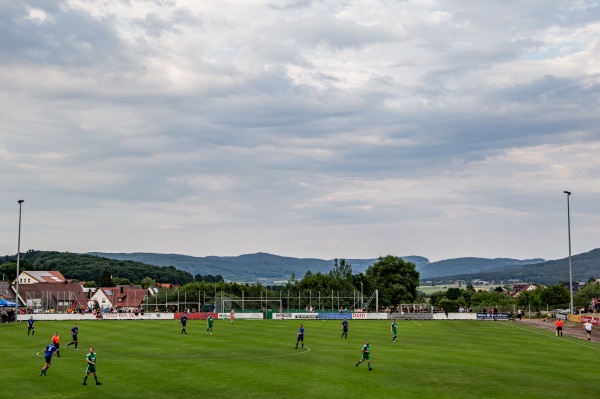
x=257, y=359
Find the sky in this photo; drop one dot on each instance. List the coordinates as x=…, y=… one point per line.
x=302, y=128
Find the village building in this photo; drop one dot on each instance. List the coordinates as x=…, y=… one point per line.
x=122, y=297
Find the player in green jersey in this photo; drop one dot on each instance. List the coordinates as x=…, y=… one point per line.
x=366, y=355
x=394, y=330
x=90, y=358
x=209, y=324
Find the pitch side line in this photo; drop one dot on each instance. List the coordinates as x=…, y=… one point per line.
x=547, y=335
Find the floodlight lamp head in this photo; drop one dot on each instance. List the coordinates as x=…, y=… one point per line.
x=21, y=201
x=567, y=192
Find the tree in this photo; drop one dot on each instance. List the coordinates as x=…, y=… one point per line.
x=8, y=271
x=453, y=293
x=106, y=278
x=148, y=282
x=292, y=282
x=396, y=280
x=555, y=295
x=585, y=295
x=121, y=281
x=449, y=305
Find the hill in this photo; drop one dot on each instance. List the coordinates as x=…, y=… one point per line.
x=90, y=268
x=456, y=266
x=263, y=266
x=244, y=268
x=550, y=272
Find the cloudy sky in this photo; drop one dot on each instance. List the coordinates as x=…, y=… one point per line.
x=303, y=128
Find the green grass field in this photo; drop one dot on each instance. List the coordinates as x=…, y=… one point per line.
x=430, y=289
x=257, y=359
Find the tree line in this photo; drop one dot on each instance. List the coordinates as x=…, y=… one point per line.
x=396, y=280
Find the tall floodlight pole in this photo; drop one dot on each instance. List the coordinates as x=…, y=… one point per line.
x=18, y=262
x=362, y=299
x=569, y=230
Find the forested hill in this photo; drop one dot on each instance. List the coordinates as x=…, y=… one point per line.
x=550, y=272
x=461, y=266
x=180, y=269
x=273, y=267
x=246, y=268
x=90, y=267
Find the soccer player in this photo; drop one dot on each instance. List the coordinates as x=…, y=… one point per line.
x=56, y=342
x=74, y=332
x=232, y=315
x=394, y=330
x=559, y=327
x=183, y=323
x=30, y=327
x=588, y=328
x=90, y=358
x=300, y=335
x=209, y=324
x=366, y=355
x=344, y=329
x=48, y=351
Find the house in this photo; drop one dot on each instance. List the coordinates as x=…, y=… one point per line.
x=37, y=276
x=6, y=292
x=521, y=287
x=125, y=297
x=168, y=286
x=60, y=297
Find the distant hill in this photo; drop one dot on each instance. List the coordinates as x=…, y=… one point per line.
x=550, y=272
x=245, y=268
x=451, y=267
x=263, y=266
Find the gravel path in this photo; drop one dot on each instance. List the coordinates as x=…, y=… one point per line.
x=570, y=328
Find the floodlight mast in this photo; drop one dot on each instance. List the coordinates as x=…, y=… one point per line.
x=18, y=262
x=569, y=232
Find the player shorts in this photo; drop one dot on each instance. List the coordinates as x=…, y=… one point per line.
x=558, y=328
x=91, y=368
x=75, y=338
x=366, y=356
x=301, y=338
x=48, y=359
x=589, y=331
x=57, y=345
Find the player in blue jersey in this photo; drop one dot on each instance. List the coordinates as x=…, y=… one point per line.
x=48, y=351
x=300, y=335
x=183, y=323
x=344, y=329
x=90, y=358
x=30, y=326
x=74, y=332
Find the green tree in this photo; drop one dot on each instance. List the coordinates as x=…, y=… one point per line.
x=8, y=271
x=148, y=282
x=449, y=305
x=555, y=295
x=585, y=295
x=106, y=278
x=396, y=280
x=453, y=293
x=121, y=281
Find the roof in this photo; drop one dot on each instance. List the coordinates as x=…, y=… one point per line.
x=42, y=276
x=125, y=296
x=71, y=291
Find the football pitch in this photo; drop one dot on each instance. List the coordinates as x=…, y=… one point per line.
x=257, y=359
